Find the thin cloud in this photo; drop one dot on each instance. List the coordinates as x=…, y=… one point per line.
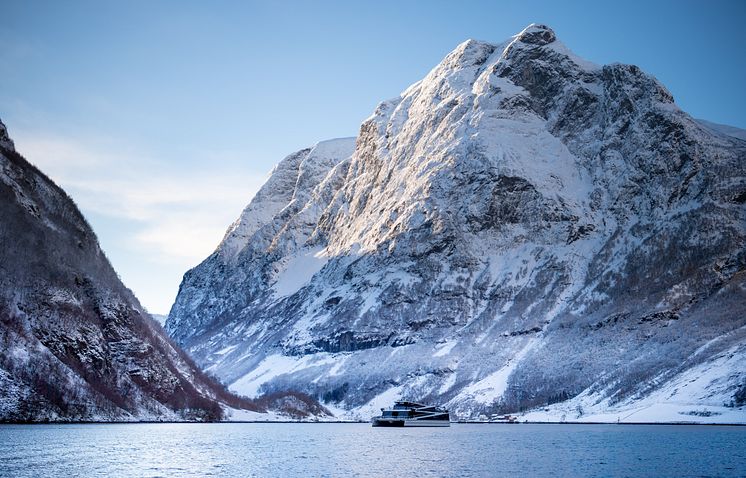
x=170, y=217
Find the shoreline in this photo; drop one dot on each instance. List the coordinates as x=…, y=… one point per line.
x=465, y=422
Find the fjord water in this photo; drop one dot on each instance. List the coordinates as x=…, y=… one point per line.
x=334, y=449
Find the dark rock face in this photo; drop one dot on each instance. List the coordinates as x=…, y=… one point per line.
x=538, y=35
x=74, y=342
x=518, y=229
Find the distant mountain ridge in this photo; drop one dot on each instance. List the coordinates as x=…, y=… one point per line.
x=724, y=129
x=519, y=230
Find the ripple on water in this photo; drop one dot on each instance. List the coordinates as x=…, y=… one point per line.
x=331, y=450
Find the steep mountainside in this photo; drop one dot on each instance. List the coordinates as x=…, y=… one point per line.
x=74, y=342
x=520, y=228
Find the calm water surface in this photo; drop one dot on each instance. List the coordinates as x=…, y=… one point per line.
x=310, y=450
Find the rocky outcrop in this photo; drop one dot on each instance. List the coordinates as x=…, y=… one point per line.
x=519, y=228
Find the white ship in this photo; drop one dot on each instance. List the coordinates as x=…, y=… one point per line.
x=411, y=414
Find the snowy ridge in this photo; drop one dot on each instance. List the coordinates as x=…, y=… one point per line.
x=724, y=129
x=288, y=182
x=518, y=230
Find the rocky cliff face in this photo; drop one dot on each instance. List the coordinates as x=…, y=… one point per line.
x=74, y=342
x=518, y=229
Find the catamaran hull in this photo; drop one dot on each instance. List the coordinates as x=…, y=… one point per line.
x=410, y=423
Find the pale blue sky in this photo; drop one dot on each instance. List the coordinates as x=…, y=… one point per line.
x=161, y=119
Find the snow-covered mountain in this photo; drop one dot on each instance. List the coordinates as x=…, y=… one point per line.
x=75, y=344
x=521, y=229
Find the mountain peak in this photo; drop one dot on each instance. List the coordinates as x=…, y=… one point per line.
x=5, y=140
x=536, y=34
